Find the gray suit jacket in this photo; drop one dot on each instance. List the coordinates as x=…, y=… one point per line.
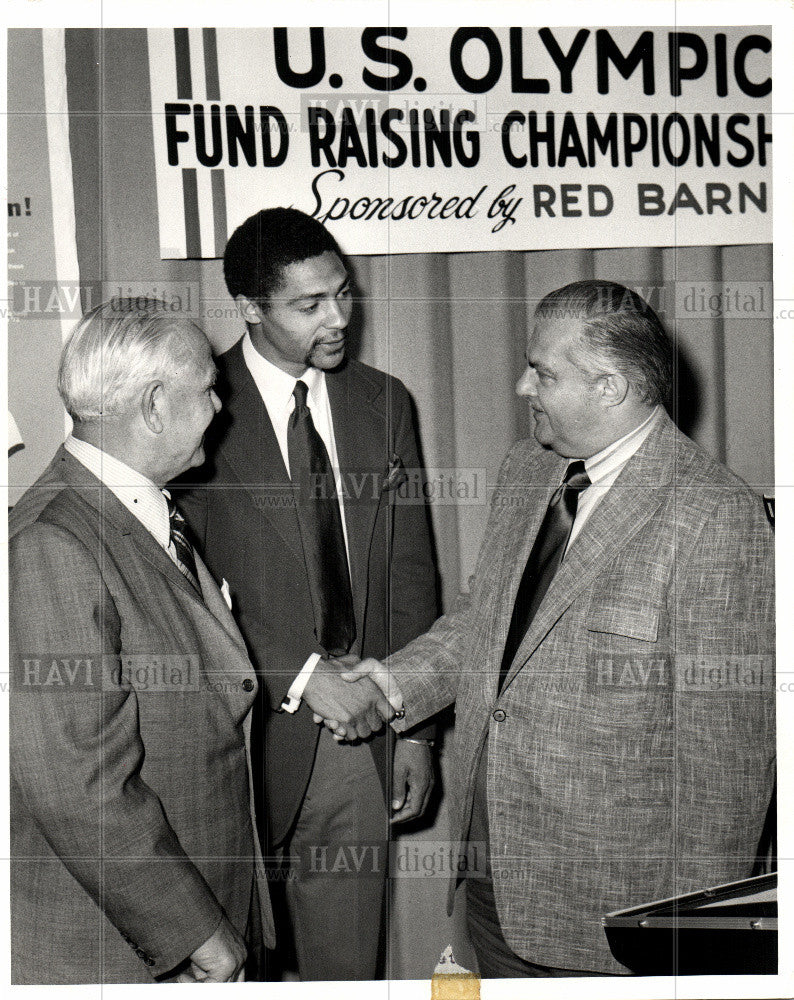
x=131, y=823
x=631, y=749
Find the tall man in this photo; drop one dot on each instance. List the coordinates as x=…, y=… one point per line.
x=612, y=664
x=133, y=854
x=298, y=513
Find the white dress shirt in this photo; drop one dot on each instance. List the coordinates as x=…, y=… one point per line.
x=276, y=388
x=605, y=466
x=142, y=498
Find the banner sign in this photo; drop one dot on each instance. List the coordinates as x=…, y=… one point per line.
x=406, y=140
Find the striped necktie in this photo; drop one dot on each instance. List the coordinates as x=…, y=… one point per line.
x=185, y=560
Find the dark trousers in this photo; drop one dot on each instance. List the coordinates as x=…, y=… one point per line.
x=494, y=956
x=333, y=867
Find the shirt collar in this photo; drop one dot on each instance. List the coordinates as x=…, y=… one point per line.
x=276, y=386
x=142, y=498
x=616, y=454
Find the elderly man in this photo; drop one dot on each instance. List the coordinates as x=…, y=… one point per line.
x=612, y=664
x=133, y=855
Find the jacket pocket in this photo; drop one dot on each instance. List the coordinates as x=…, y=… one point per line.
x=638, y=622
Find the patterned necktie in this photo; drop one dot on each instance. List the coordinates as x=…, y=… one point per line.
x=320, y=523
x=544, y=559
x=185, y=559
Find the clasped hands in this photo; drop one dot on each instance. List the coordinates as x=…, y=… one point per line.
x=352, y=697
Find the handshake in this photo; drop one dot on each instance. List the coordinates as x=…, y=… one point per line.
x=352, y=697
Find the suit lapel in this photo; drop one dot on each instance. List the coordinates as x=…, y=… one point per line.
x=117, y=519
x=132, y=535
x=215, y=604
x=526, y=494
x=360, y=428
x=252, y=452
x=529, y=492
x=235, y=664
x=630, y=502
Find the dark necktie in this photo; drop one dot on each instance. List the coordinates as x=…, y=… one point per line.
x=545, y=557
x=320, y=523
x=185, y=559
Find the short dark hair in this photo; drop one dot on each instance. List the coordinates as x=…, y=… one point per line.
x=618, y=325
x=260, y=249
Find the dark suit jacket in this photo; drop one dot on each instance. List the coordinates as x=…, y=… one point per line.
x=131, y=817
x=631, y=749
x=247, y=529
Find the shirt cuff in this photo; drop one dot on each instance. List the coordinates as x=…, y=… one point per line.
x=292, y=702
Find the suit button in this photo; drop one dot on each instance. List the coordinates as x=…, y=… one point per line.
x=499, y=715
x=248, y=684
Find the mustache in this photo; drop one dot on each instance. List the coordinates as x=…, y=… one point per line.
x=338, y=342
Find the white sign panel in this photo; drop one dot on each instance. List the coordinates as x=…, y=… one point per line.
x=406, y=140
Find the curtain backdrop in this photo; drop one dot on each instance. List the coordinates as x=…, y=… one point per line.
x=452, y=326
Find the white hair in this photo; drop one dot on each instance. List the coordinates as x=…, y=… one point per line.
x=113, y=353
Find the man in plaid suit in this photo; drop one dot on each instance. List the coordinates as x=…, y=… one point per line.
x=614, y=736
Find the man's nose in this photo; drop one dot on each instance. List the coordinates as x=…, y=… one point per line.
x=527, y=384
x=337, y=315
x=216, y=403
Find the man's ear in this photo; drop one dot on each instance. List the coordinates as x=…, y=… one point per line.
x=249, y=310
x=613, y=389
x=153, y=407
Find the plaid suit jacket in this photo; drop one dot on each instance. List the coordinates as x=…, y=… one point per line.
x=131, y=820
x=631, y=750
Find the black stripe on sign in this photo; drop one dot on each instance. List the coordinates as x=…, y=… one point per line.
x=184, y=84
x=210, y=39
x=192, y=230
x=219, y=210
